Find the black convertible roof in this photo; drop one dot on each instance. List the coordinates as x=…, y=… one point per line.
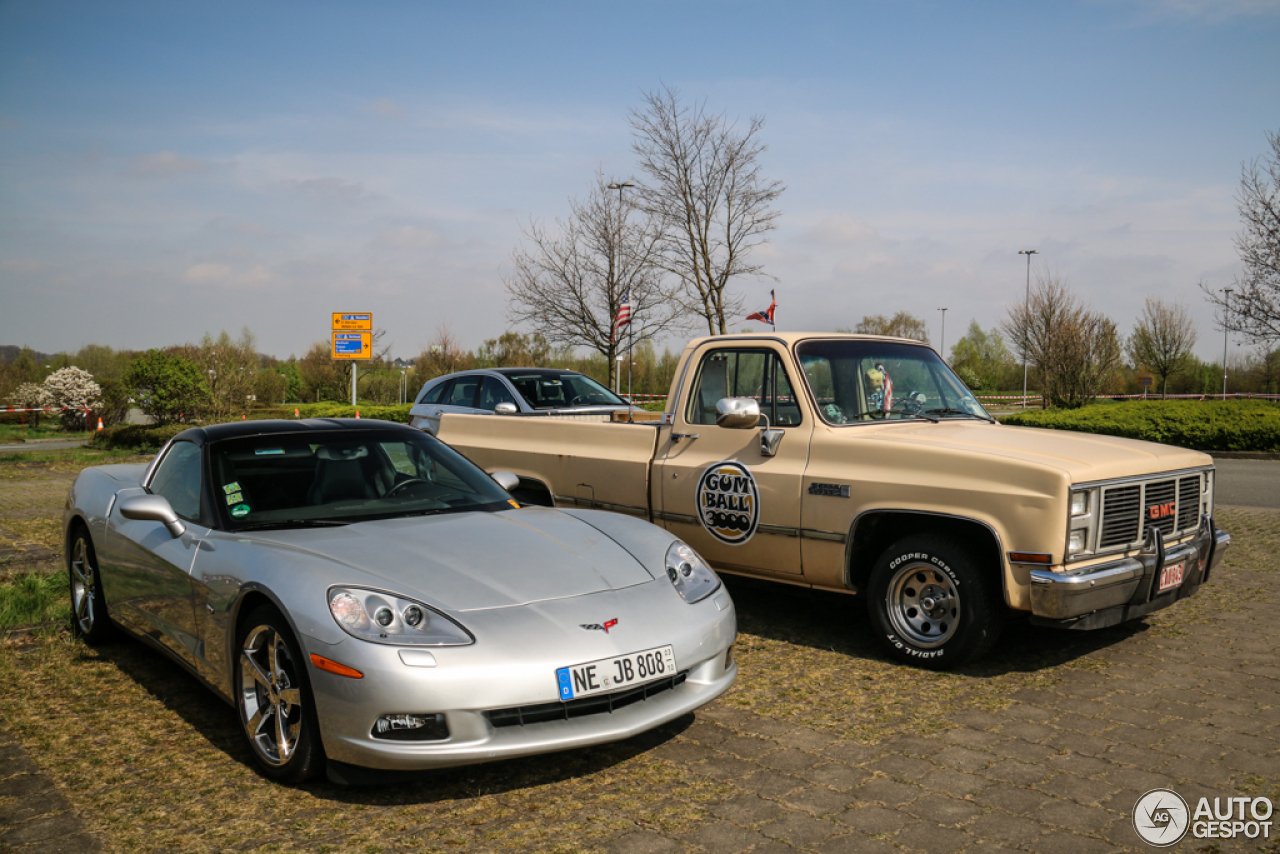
x=240, y=429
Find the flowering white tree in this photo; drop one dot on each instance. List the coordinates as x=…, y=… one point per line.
x=74, y=392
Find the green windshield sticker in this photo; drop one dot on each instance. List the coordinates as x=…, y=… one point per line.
x=235, y=498
x=234, y=486
x=240, y=510
x=261, y=451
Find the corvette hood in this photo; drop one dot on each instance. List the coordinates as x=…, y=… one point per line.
x=1084, y=456
x=472, y=561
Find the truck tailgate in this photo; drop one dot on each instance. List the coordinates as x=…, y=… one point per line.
x=588, y=464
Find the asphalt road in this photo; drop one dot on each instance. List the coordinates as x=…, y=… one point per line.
x=41, y=446
x=1248, y=483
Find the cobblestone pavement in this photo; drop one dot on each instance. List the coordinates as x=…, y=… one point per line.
x=1188, y=702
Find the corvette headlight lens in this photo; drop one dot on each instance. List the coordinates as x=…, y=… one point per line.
x=373, y=615
x=689, y=574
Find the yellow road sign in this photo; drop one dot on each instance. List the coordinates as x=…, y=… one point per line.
x=352, y=345
x=348, y=321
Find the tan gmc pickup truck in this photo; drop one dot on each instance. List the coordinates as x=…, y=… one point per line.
x=862, y=464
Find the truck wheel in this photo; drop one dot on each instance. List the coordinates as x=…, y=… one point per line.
x=932, y=605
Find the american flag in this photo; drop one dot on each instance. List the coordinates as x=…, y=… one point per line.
x=888, y=388
x=623, y=316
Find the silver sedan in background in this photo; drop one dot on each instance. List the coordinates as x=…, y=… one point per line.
x=551, y=392
x=366, y=598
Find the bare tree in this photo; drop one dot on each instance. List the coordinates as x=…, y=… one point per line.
x=1162, y=340
x=705, y=186
x=904, y=324
x=1254, y=306
x=571, y=280
x=1075, y=351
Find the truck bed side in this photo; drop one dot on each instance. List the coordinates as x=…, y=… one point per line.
x=582, y=463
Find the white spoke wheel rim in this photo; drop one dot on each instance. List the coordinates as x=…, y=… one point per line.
x=270, y=697
x=923, y=605
x=83, y=588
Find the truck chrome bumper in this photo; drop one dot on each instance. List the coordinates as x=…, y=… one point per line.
x=1106, y=594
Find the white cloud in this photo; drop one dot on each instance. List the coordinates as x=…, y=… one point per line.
x=329, y=190
x=384, y=107
x=165, y=163
x=223, y=276
x=411, y=238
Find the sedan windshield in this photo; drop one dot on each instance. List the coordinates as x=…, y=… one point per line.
x=293, y=480
x=547, y=390
x=869, y=380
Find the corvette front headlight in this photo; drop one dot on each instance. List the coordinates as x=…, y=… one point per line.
x=373, y=615
x=689, y=574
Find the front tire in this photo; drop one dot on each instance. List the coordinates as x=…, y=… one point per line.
x=931, y=603
x=274, y=700
x=89, y=619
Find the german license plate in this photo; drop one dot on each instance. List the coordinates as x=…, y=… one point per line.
x=1171, y=576
x=612, y=674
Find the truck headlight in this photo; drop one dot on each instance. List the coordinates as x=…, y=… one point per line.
x=1081, y=519
x=373, y=615
x=689, y=574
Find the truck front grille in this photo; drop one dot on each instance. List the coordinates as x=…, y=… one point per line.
x=1131, y=510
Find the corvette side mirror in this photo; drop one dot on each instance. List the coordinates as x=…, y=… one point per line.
x=153, y=508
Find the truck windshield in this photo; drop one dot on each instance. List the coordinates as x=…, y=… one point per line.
x=868, y=380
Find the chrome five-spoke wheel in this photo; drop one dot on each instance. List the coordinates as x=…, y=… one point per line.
x=273, y=698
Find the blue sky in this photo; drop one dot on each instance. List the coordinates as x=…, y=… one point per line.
x=171, y=169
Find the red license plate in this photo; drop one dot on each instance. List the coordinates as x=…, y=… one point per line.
x=1171, y=576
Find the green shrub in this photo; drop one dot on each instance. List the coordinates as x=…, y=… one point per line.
x=137, y=437
x=1233, y=425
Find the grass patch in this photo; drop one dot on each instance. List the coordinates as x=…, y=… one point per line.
x=49, y=428
x=34, y=597
x=1233, y=425
x=24, y=465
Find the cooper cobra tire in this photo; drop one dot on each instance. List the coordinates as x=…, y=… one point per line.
x=89, y=618
x=932, y=604
x=274, y=700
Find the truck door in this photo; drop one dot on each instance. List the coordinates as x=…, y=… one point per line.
x=739, y=507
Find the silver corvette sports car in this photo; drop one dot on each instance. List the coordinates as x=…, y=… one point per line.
x=366, y=598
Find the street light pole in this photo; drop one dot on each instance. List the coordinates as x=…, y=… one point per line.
x=942, y=347
x=1226, y=331
x=1026, y=322
x=621, y=217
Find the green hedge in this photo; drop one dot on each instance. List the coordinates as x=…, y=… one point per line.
x=1233, y=425
x=145, y=437
x=136, y=437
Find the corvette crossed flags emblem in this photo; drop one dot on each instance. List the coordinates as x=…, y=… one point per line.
x=597, y=627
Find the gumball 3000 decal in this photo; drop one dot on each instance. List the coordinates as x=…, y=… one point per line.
x=729, y=502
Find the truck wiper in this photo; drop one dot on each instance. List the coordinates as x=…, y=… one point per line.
x=948, y=411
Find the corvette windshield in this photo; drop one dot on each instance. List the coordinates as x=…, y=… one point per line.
x=868, y=380
x=309, y=479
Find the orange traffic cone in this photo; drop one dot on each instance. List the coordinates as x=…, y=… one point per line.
x=99, y=423
x=243, y=416
x=357, y=413
x=295, y=412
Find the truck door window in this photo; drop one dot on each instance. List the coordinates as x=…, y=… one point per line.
x=757, y=374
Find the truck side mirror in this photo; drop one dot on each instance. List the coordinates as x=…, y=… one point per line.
x=505, y=408
x=737, y=413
